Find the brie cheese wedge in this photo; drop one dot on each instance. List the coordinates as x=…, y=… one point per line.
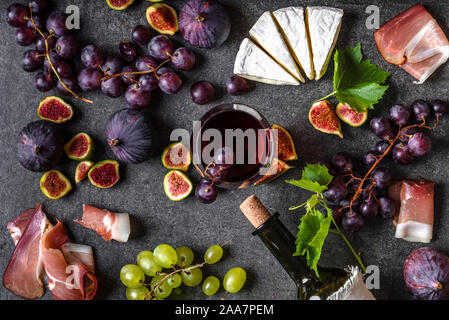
x=265, y=32
x=324, y=26
x=254, y=64
x=293, y=26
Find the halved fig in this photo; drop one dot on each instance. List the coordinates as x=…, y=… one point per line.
x=104, y=174
x=177, y=185
x=323, y=118
x=348, y=115
x=162, y=18
x=277, y=168
x=285, y=144
x=80, y=147
x=176, y=157
x=119, y=4
x=55, y=110
x=55, y=185
x=82, y=169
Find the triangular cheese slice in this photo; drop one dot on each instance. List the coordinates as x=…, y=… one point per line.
x=324, y=26
x=254, y=64
x=293, y=26
x=266, y=33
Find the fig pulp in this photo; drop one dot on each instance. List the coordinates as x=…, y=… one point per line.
x=40, y=146
x=55, y=185
x=119, y=4
x=348, y=115
x=162, y=18
x=55, y=110
x=82, y=169
x=285, y=145
x=323, y=118
x=104, y=174
x=177, y=185
x=176, y=156
x=277, y=168
x=80, y=147
x=426, y=274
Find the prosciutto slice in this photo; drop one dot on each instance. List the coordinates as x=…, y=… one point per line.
x=23, y=275
x=415, y=219
x=17, y=226
x=108, y=225
x=68, y=279
x=414, y=41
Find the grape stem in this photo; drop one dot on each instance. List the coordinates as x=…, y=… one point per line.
x=47, y=55
x=107, y=77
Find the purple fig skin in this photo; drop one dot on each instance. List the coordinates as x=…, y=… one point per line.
x=426, y=274
x=40, y=146
x=204, y=23
x=130, y=136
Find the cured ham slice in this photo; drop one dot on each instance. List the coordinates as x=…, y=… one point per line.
x=108, y=225
x=68, y=279
x=17, y=226
x=23, y=275
x=415, y=219
x=414, y=41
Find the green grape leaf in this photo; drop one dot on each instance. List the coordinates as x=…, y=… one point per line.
x=356, y=82
x=315, y=178
x=313, y=230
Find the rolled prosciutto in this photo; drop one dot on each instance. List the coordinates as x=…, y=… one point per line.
x=107, y=224
x=414, y=41
x=416, y=214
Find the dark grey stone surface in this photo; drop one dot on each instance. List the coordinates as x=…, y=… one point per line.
x=157, y=220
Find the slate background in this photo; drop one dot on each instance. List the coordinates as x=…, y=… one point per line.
x=157, y=220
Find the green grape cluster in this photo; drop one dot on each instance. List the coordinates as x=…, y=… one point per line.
x=169, y=268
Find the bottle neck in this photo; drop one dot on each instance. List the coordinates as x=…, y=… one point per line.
x=281, y=244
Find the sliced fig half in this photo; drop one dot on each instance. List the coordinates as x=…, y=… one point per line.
x=55, y=110
x=104, y=174
x=82, y=169
x=176, y=157
x=177, y=185
x=80, y=147
x=323, y=118
x=55, y=185
x=163, y=18
x=277, y=168
x=285, y=144
x=119, y=4
x=351, y=117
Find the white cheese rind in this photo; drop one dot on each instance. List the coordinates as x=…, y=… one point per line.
x=265, y=32
x=324, y=26
x=254, y=64
x=293, y=25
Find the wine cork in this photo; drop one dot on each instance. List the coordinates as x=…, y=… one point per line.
x=255, y=211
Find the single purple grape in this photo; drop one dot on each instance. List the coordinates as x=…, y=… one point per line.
x=236, y=85
x=38, y=6
x=401, y=154
x=44, y=81
x=128, y=79
x=420, y=144
x=32, y=60
x=161, y=47
x=141, y=35
x=91, y=56
x=40, y=43
x=336, y=191
x=149, y=82
x=89, y=79
x=64, y=69
x=170, y=83
x=137, y=98
x=399, y=114
x=24, y=36
x=342, y=163
x=202, y=92
x=17, y=15
x=352, y=221
x=113, y=87
x=439, y=107
x=206, y=191
x=183, y=59
x=381, y=147
x=56, y=24
x=225, y=157
x=382, y=177
x=146, y=63
x=70, y=81
x=67, y=46
x=421, y=110
x=127, y=50
x=370, y=158
x=112, y=64
x=380, y=126
x=387, y=208
x=216, y=173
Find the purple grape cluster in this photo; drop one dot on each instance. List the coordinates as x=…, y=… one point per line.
x=412, y=142
x=215, y=174
x=349, y=210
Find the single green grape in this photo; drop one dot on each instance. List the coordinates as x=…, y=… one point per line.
x=165, y=255
x=132, y=276
x=177, y=291
x=192, y=277
x=175, y=280
x=234, y=280
x=145, y=260
x=211, y=285
x=163, y=290
x=185, y=256
x=137, y=293
x=213, y=254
